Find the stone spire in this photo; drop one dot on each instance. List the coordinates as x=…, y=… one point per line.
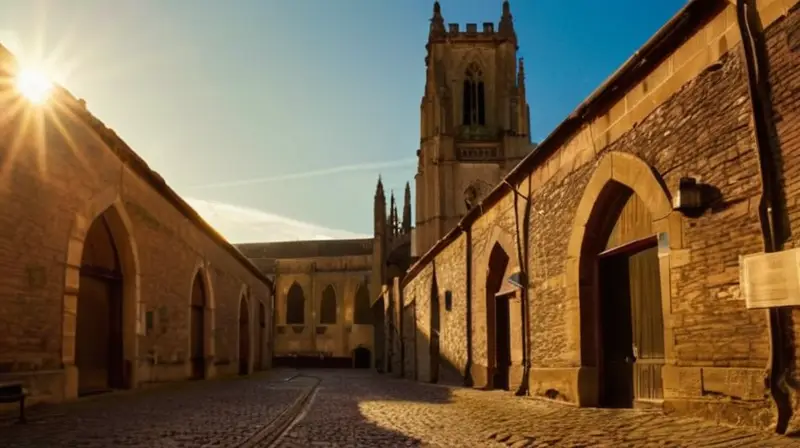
x=521, y=75
x=437, y=23
x=506, y=28
x=407, y=210
x=393, y=216
x=380, y=209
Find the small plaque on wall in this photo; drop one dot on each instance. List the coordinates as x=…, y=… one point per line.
x=770, y=280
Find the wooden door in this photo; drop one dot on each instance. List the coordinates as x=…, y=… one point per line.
x=197, y=335
x=502, y=342
x=648, y=324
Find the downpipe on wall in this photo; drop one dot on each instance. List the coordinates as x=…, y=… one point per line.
x=468, y=367
x=770, y=208
x=522, y=260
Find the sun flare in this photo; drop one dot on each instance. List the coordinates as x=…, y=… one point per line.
x=34, y=85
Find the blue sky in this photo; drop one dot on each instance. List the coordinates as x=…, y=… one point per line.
x=275, y=117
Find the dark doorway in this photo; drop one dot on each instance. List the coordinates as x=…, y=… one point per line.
x=244, y=338
x=502, y=327
x=379, y=334
x=197, y=332
x=262, y=334
x=632, y=329
x=98, y=338
x=435, y=329
x=362, y=358
x=497, y=321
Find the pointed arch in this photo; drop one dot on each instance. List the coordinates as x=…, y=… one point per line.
x=105, y=210
x=201, y=279
x=473, y=103
x=327, y=306
x=362, y=312
x=244, y=334
x=295, y=305
x=617, y=177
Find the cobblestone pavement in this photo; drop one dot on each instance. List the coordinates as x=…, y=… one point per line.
x=364, y=409
x=354, y=409
x=187, y=414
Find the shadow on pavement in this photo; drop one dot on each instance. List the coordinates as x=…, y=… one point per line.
x=335, y=416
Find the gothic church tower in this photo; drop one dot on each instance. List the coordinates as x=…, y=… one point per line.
x=475, y=124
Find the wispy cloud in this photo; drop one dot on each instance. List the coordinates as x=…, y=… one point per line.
x=248, y=225
x=312, y=173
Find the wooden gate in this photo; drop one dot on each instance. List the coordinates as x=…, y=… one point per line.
x=648, y=324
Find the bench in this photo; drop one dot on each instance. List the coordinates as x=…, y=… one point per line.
x=13, y=393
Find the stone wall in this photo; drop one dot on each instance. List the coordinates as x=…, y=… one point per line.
x=62, y=170
x=344, y=265
x=690, y=115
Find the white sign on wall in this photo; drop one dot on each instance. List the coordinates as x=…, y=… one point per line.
x=770, y=280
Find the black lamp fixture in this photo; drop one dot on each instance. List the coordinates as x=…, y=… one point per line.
x=693, y=198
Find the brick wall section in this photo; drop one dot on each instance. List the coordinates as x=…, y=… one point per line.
x=43, y=190
x=703, y=129
x=783, y=48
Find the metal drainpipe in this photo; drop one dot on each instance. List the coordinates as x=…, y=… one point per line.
x=522, y=257
x=468, y=302
x=770, y=203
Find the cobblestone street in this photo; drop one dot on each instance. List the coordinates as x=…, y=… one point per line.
x=352, y=408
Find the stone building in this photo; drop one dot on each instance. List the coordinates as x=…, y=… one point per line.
x=474, y=124
x=322, y=299
x=108, y=278
x=604, y=270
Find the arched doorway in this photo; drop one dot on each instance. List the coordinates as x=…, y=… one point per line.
x=498, y=320
x=623, y=255
x=623, y=222
x=435, y=329
x=197, y=328
x=362, y=358
x=244, y=337
x=99, y=324
x=262, y=335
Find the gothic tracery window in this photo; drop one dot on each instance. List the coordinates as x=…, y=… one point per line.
x=295, y=306
x=362, y=312
x=327, y=307
x=474, y=104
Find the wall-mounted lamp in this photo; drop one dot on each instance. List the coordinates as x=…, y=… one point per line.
x=693, y=198
x=516, y=280
x=689, y=195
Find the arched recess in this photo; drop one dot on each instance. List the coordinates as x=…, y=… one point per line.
x=362, y=312
x=197, y=328
x=435, y=323
x=104, y=222
x=327, y=306
x=295, y=305
x=244, y=335
x=201, y=281
x=262, y=336
x=619, y=181
x=490, y=278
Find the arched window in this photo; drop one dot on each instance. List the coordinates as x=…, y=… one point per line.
x=295, y=305
x=474, y=107
x=327, y=308
x=362, y=314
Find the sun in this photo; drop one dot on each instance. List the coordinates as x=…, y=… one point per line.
x=34, y=85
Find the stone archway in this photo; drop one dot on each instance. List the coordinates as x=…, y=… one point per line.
x=262, y=336
x=490, y=276
x=244, y=335
x=197, y=328
x=617, y=176
x=201, y=281
x=102, y=230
